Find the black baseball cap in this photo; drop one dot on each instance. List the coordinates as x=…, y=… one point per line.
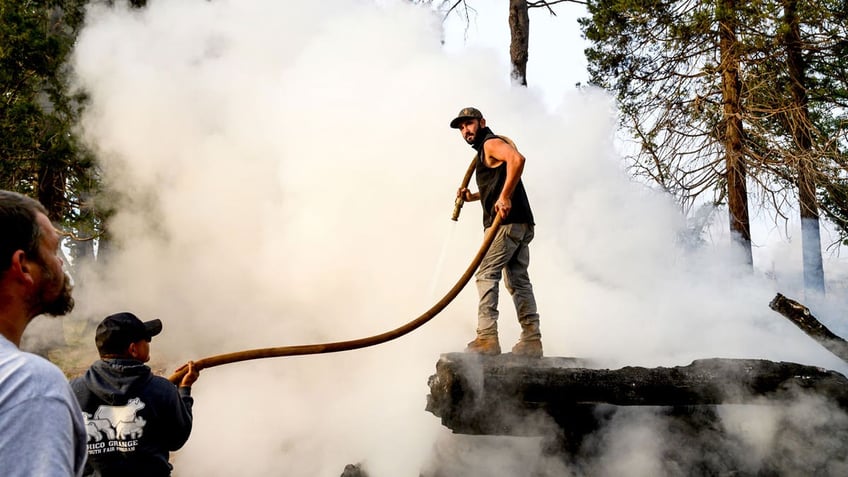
x=116, y=332
x=466, y=113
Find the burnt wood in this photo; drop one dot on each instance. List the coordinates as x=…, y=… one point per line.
x=508, y=395
x=802, y=318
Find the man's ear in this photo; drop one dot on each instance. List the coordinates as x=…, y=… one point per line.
x=132, y=349
x=21, y=266
x=482, y=122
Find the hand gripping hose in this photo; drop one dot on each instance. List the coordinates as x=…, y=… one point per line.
x=337, y=346
x=457, y=205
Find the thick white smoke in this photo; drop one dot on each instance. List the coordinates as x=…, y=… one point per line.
x=285, y=175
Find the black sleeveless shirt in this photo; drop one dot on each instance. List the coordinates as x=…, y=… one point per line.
x=490, y=182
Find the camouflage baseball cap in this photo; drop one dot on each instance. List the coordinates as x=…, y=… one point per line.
x=466, y=113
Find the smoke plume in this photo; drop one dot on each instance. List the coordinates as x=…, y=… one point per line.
x=283, y=173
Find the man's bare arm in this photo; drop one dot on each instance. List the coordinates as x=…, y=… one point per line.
x=467, y=195
x=498, y=152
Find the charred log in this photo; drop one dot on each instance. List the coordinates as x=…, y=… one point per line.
x=802, y=318
x=506, y=395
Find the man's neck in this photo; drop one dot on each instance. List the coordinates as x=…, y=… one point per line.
x=15, y=309
x=12, y=325
x=482, y=133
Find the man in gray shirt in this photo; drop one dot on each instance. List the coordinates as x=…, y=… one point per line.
x=41, y=428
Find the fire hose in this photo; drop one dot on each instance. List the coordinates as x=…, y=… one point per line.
x=337, y=346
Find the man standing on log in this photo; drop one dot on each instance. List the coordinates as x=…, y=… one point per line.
x=501, y=191
x=133, y=418
x=41, y=428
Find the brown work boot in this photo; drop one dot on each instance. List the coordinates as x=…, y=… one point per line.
x=487, y=345
x=528, y=348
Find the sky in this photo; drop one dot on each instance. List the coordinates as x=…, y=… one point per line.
x=285, y=173
x=555, y=62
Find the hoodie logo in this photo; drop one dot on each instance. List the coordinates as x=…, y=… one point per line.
x=114, y=428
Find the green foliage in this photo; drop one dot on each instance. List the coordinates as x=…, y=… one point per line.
x=41, y=156
x=661, y=59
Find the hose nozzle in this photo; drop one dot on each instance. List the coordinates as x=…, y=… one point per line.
x=457, y=207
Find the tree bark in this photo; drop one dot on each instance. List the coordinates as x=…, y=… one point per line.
x=51, y=187
x=519, y=28
x=799, y=124
x=737, y=189
x=505, y=395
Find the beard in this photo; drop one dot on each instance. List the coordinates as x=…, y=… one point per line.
x=63, y=303
x=54, y=294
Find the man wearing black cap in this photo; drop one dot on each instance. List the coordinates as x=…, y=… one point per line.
x=133, y=418
x=501, y=192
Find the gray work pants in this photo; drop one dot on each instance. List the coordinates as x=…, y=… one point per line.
x=509, y=253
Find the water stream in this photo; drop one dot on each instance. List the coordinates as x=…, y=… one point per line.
x=434, y=282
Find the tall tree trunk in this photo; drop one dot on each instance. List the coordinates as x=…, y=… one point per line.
x=737, y=189
x=799, y=123
x=51, y=187
x=82, y=251
x=519, y=27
